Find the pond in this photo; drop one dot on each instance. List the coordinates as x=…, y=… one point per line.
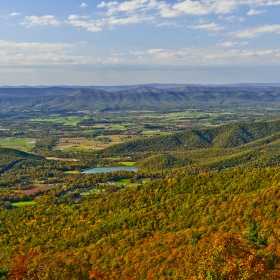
x=110, y=169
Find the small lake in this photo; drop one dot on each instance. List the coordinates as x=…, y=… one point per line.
x=110, y=169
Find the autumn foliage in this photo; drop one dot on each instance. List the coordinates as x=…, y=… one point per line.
x=214, y=226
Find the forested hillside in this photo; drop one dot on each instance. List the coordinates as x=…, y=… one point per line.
x=218, y=225
x=225, y=136
x=10, y=157
x=260, y=153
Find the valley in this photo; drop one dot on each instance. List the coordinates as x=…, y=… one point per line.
x=192, y=191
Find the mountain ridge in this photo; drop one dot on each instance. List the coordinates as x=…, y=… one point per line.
x=139, y=98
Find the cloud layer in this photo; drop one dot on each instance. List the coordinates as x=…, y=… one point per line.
x=140, y=34
x=31, y=21
x=253, y=32
x=39, y=54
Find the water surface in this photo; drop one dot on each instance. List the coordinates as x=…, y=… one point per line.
x=110, y=169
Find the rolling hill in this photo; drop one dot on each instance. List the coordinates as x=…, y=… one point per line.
x=225, y=136
x=11, y=157
x=228, y=146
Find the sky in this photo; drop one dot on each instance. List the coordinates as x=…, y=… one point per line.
x=71, y=42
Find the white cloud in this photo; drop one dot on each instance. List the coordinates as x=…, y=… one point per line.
x=89, y=25
x=132, y=6
x=208, y=26
x=14, y=14
x=167, y=23
x=110, y=22
x=231, y=18
x=26, y=54
x=31, y=21
x=181, y=7
x=122, y=21
x=207, y=57
x=253, y=12
x=113, y=60
x=83, y=5
x=117, y=54
x=74, y=17
x=103, y=4
x=203, y=7
x=253, y=32
x=31, y=47
x=271, y=3
x=138, y=11
x=229, y=44
x=43, y=55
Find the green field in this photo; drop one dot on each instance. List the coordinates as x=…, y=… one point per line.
x=93, y=191
x=23, y=144
x=147, y=180
x=72, y=172
x=82, y=143
x=153, y=132
x=122, y=181
x=127, y=163
x=132, y=185
x=126, y=181
x=117, y=126
x=59, y=119
x=23, y=203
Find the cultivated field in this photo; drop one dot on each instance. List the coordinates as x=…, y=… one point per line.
x=37, y=188
x=22, y=144
x=82, y=143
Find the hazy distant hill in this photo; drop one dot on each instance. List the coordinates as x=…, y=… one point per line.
x=154, y=97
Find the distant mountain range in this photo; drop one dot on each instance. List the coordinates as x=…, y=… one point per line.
x=154, y=85
x=151, y=97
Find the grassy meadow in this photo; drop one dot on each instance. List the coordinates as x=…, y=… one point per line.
x=22, y=144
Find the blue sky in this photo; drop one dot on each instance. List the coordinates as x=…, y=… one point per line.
x=71, y=42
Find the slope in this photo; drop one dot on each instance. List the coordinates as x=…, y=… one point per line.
x=181, y=227
x=225, y=136
x=11, y=157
